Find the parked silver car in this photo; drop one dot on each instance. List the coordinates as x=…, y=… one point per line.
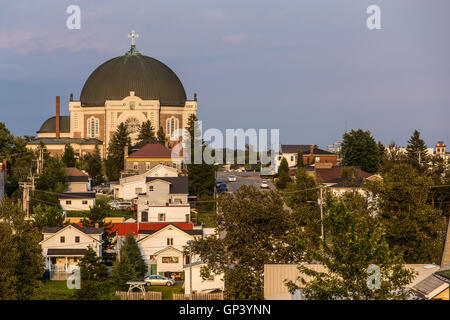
x=155, y=280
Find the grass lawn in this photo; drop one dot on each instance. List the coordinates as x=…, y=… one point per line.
x=166, y=291
x=206, y=218
x=53, y=290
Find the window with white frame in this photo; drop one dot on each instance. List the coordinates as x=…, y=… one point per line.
x=93, y=127
x=171, y=125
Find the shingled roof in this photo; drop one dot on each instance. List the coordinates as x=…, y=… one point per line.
x=334, y=174
x=76, y=175
x=151, y=151
x=177, y=184
x=87, y=230
x=304, y=148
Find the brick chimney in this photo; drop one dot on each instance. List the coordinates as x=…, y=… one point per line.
x=57, y=117
x=311, y=149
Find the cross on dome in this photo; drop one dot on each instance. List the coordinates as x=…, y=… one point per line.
x=133, y=35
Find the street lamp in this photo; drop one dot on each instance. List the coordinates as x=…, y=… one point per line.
x=190, y=242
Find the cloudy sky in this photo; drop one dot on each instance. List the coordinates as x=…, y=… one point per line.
x=308, y=67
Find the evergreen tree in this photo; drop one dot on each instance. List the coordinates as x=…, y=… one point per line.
x=355, y=240
x=68, y=157
x=283, y=174
x=201, y=176
x=146, y=132
x=94, y=278
x=360, y=149
x=95, y=166
x=131, y=266
x=413, y=226
x=116, y=152
x=161, y=135
x=50, y=182
x=416, y=152
x=47, y=216
x=300, y=163
x=96, y=216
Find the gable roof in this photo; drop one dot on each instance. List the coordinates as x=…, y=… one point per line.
x=304, y=148
x=334, y=174
x=76, y=175
x=150, y=233
x=165, y=249
x=178, y=185
x=151, y=151
x=77, y=195
x=87, y=230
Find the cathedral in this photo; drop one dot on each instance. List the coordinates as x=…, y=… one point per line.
x=131, y=88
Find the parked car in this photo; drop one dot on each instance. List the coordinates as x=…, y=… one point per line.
x=125, y=206
x=218, y=183
x=232, y=178
x=264, y=184
x=113, y=204
x=155, y=280
x=222, y=188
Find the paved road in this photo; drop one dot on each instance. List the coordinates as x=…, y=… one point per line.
x=243, y=178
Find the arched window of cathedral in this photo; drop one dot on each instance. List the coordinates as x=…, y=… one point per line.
x=171, y=125
x=92, y=127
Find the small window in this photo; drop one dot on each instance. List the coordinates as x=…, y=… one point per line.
x=144, y=216
x=187, y=259
x=162, y=217
x=62, y=239
x=150, y=188
x=169, y=259
x=77, y=239
x=170, y=241
x=84, y=202
x=317, y=159
x=68, y=202
x=188, y=218
x=135, y=165
x=292, y=158
x=147, y=166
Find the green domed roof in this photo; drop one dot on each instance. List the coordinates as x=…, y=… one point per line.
x=149, y=78
x=49, y=125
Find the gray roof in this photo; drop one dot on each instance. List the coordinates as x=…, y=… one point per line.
x=177, y=184
x=304, y=148
x=428, y=285
x=65, y=252
x=87, y=230
x=77, y=195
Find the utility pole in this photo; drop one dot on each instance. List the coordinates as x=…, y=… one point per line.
x=26, y=196
x=321, y=215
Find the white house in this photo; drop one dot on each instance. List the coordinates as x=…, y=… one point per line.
x=77, y=195
x=131, y=186
x=62, y=247
x=165, y=200
x=199, y=285
x=162, y=250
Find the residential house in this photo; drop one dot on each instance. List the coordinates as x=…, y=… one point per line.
x=130, y=186
x=151, y=155
x=63, y=247
x=77, y=195
x=341, y=179
x=163, y=249
x=165, y=200
x=200, y=285
x=310, y=154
